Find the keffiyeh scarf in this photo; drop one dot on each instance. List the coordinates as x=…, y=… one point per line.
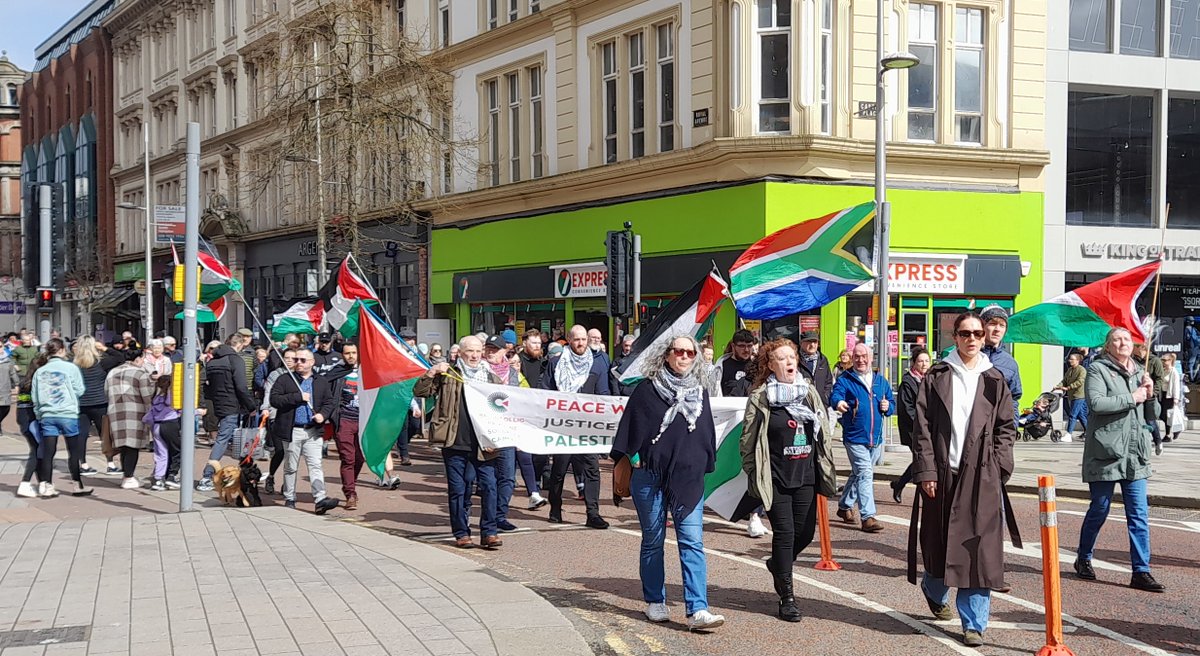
x=792, y=397
x=477, y=374
x=683, y=394
x=572, y=370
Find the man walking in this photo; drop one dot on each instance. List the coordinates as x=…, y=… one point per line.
x=300, y=413
x=733, y=365
x=995, y=325
x=865, y=399
x=496, y=354
x=327, y=357
x=231, y=398
x=344, y=382
x=533, y=466
x=577, y=370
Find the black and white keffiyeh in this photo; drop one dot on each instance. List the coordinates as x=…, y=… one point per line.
x=475, y=374
x=573, y=369
x=792, y=397
x=683, y=394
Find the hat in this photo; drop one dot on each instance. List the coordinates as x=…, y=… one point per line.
x=245, y=332
x=408, y=333
x=510, y=336
x=993, y=311
x=496, y=342
x=810, y=336
x=325, y=338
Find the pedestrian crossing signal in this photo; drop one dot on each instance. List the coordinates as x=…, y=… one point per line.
x=46, y=300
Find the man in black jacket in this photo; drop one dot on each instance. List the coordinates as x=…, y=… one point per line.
x=300, y=412
x=230, y=397
x=815, y=366
x=114, y=355
x=327, y=357
x=577, y=370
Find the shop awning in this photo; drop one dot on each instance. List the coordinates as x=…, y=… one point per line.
x=108, y=303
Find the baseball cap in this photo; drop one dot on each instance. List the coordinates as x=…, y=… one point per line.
x=496, y=342
x=325, y=338
x=245, y=332
x=810, y=336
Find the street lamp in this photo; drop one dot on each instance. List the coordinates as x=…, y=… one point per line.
x=149, y=265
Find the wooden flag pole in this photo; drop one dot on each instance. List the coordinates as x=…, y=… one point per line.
x=1162, y=243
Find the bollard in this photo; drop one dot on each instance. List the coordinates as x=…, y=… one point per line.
x=1050, y=576
x=827, y=562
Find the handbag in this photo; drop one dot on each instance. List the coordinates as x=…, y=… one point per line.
x=622, y=473
x=106, y=440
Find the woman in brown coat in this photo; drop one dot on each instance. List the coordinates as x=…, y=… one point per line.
x=962, y=455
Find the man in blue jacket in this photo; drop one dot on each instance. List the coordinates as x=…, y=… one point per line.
x=865, y=400
x=995, y=325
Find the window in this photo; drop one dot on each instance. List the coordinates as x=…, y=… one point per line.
x=666, y=87
x=512, y=10
x=535, y=6
x=444, y=21
x=1139, y=27
x=535, y=121
x=774, y=44
x=11, y=94
x=231, y=104
x=493, y=18
x=1183, y=150
x=609, y=100
x=1185, y=29
x=1090, y=25
x=968, y=75
x=493, y=96
x=826, y=48
x=922, y=78
x=514, y=127
x=231, y=10
x=447, y=155
x=1110, y=144
x=637, y=95
x=400, y=16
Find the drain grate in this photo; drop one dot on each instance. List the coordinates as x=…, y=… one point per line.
x=53, y=636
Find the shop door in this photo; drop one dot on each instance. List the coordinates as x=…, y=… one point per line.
x=914, y=333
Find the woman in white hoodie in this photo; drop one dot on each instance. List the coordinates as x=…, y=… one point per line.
x=963, y=436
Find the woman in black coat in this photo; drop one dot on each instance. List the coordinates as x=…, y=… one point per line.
x=909, y=386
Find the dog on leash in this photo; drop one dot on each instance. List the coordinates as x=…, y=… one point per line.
x=228, y=483
x=250, y=475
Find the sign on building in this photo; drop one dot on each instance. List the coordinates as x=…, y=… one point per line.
x=169, y=224
x=580, y=280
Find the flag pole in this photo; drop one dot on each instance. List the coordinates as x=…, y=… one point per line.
x=363, y=273
x=1162, y=243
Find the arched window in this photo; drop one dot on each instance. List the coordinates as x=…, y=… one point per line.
x=10, y=95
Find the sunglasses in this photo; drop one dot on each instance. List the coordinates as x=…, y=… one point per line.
x=303, y=359
x=968, y=334
x=681, y=352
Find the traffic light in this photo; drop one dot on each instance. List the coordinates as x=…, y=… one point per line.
x=619, y=260
x=45, y=299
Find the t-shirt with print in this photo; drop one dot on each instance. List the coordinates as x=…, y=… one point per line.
x=349, y=400
x=792, y=450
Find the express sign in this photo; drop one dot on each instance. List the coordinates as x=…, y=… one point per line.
x=579, y=281
x=926, y=274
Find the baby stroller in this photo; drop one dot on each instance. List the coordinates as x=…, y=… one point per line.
x=1038, y=420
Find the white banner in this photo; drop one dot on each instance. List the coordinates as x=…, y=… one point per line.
x=547, y=422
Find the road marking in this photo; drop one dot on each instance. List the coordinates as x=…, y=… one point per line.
x=1003, y=626
x=1084, y=624
x=654, y=644
x=1190, y=527
x=618, y=645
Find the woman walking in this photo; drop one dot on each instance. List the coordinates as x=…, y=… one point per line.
x=130, y=392
x=962, y=454
x=27, y=422
x=909, y=386
x=1172, y=400
x=92, y=404
x=163, y=421
x=1116, y=449
x=56, y=389
x=668, y=435
x=787, y=459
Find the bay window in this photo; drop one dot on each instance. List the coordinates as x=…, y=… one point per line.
x=774, y=31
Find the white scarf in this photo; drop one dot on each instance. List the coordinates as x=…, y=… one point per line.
x=683, y=394
x=572, y=370
x=792, y=396
x=478, y=374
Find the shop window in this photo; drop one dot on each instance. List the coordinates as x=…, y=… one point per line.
x=1185, y=29
x=1183, y=152
x=774, y=45
x=1139, y=27
x=1110, y=144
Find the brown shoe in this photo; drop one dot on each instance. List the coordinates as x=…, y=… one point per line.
x=464, y=543
x=848, y=515
x=352, y=502
x=491, y=542
x=869, y=525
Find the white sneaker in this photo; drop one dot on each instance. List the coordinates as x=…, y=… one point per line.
x=536, y=501
x=658, y=613
x=756, y=528
x=47, y=491
x=131, y=483
x=26, y=489
x=702, y=620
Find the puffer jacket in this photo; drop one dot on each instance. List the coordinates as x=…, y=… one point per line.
x=1117, y=439
x=226, y=378
x=756, y=454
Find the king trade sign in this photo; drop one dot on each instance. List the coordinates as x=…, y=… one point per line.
x=580, y=281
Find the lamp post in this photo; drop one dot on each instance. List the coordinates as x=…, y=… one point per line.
x=887, y=62
x=149, y=265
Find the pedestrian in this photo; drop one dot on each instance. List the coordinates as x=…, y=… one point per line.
x=845, y=363
x=617, y=387
x=1072, y=387
x=23, y=355
x=814, y=365
x=55, y=391
x=130, y=392
x=245, y=349
x=436, y=354
x=28, y=424
x=154, y=359
x=577, y=370
x=303, y=402
x=788, y=459
x=231, y=398
x=667, y=433
x=919, y=363
x=113, y=357
x=865, y=399
x=733, y=365
x=262, y=369
x=995, y=325
x=495, y=354
x=170, y=350
x=532, y=362
x=962, y=449
x=327, y=357
x=1121, y=402
x=163, y=421
x=468, y=465
x=344, y=383
x=93, y=404
x=1154, y=368
x=277, y=445
x=1191, y=350
x=1172, y=400
x=10, y=380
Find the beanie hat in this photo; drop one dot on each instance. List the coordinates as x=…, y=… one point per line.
x=509, y=336
x=993, y=312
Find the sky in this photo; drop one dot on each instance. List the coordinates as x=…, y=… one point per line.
x=27, y=23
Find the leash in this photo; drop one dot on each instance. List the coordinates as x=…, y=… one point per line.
x=249, y=451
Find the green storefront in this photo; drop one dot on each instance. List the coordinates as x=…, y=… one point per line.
x=951, y=250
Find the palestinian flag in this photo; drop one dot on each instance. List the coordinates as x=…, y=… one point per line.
x=805, y=266
x=388, y=372
x=303, y=318
x=341, y=298
x=1084, y=316
x=216, y=280
x=725, y=487
x=690, y=314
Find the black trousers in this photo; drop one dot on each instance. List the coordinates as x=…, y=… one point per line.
x=129, y=459
x=278, y=452
x=25, y=417
x=582, y=463
x=171, y=433
x=793, y=516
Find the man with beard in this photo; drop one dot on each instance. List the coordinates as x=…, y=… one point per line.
x=814, y=365
x=577, y=370
x=734, y=365
x=533, y=467
x=344, y=382
x=496, y=355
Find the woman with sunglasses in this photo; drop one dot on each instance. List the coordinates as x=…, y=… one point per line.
x=787, y=459
x=962, y=454
x=668, y=435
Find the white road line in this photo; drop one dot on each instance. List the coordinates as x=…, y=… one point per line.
x=1190, y=527
x=1003, y=626
x=1084, y=624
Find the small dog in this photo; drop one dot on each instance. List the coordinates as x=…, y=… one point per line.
x=228, y=483
x=251, y=475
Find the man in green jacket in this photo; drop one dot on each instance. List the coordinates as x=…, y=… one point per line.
x=1073, y=393
x=23, y=355
x=1158, y=375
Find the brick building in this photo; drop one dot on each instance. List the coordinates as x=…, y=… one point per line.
x=11, y=307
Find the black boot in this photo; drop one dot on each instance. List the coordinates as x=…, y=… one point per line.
x=788, y=611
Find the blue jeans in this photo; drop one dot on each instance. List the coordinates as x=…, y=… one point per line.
x=860, y=485
x=55, y=426
x=465, y=472
x=974, y=604
x=648, y=498
x=506, y=480
x=1077, y=410
x=1136, y=519
x=225, y=428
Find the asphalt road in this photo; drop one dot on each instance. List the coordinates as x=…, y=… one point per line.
x=866, y=608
